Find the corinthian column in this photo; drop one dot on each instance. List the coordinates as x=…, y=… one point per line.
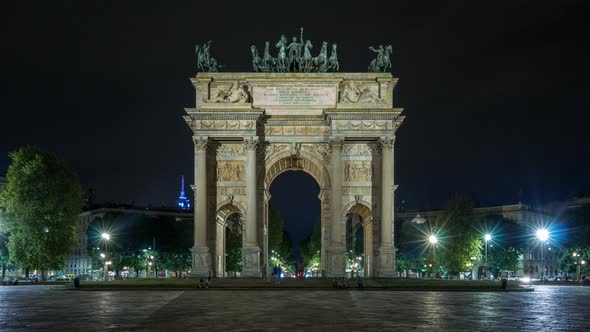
x=200, y=251
x=386, y=248
x=251, y=249
x=337, y=236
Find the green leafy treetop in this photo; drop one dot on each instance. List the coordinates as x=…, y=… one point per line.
x=462, y=240
x=42, y=200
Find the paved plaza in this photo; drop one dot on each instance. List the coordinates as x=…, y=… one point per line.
x=550, y=308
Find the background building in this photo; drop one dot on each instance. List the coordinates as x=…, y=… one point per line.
x=131, y=229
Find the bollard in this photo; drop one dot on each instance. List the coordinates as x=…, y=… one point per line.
x=504, y=283
x=76, y=282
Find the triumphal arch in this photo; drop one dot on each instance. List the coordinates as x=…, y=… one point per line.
x=248, y=128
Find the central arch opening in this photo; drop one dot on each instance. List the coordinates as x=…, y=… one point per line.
x=296, y=205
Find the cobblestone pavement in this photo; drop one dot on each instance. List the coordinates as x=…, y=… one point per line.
x=549, y=308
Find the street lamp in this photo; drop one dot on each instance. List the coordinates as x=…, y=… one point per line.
x=432, y=239
x=106, y=237
x=487, y=238
x=579, y=264
x=543, y=236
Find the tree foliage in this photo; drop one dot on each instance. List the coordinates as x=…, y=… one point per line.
x=233, y=247
x=509, y=241
x=311, y=246
x=461, y=240
x=569, y=263
x=42, y=200
x=135, y=237
x=275, y=229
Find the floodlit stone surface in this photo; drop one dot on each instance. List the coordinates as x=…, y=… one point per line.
x=550, y=308
x=248, y=128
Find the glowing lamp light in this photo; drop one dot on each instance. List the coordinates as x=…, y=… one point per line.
x=542, y=234
x=106, y=236
x=487, y=237
x=432, y=239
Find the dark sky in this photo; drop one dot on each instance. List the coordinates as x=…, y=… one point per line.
x=495, y=93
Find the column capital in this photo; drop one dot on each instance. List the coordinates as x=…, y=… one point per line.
x=251, y=143
x=387, y=143
x=201, y=142
x=336, y=143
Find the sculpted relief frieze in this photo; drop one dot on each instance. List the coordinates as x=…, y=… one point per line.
x=273, y=149
x=225, y=124
x=237, y=93
x=322, y=151
x=359, y=93
x=363, y=124
x=231, y=171
x=357, y=150
x=296, y=130
x=358, y=171
x=230, y=150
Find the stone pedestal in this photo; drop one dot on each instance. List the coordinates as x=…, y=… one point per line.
x=201, y=262
x=387, y=262
x=251, y=256
x=337, y=262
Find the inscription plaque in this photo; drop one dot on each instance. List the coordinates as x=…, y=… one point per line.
x=294, y=95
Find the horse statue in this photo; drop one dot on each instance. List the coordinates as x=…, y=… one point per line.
x=256, y=60
x=333, y=59
x=282, y=56
x=382, y=61
x=319, y=62
x=306, y=61
x=268, y=62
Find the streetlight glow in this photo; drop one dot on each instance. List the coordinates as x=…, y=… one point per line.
x=106, y=236
x=487, y=237
x=432, y=239
x=542, y=234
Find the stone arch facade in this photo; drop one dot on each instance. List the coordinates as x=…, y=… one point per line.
x=362, y=209
x=224, y=211
x=310, y=122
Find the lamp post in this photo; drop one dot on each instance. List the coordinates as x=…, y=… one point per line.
x=579, y=264
x=433, y=240
x=487, y=238
x=106, y=237
x=543, y=236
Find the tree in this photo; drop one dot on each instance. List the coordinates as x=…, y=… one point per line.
x=311, y=246
x=569, y=263
x=286, y=249
x=462, y=242
x=509, y=240
x=5, y=263
x=233, y=244
x=42, y=200
x=275, y=229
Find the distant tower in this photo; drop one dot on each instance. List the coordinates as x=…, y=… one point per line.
x=183, y=203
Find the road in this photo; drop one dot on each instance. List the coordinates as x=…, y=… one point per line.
x=549, y=308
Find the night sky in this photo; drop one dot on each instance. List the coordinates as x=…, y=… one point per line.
x=495, y=93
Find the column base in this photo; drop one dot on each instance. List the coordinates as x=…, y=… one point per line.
x=337, y=263
x=387, y=262
x=251, y=255
x=201, y=267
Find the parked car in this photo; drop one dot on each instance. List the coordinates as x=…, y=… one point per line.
x=514, y=278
